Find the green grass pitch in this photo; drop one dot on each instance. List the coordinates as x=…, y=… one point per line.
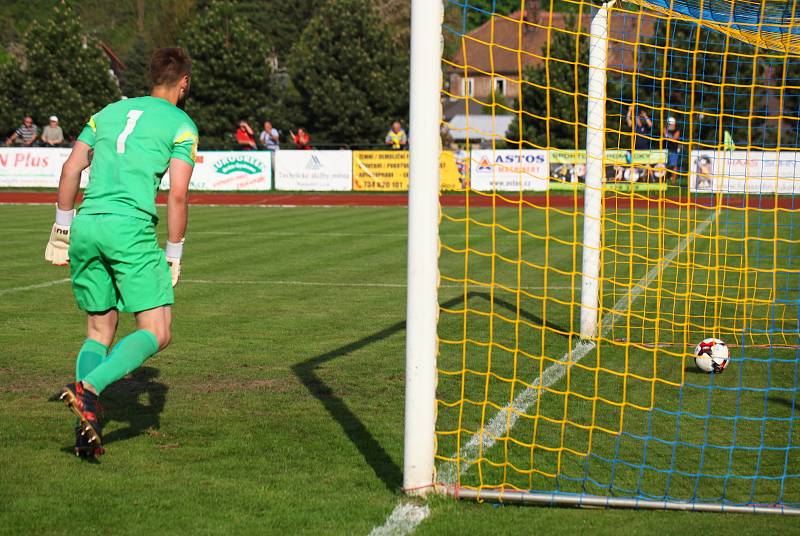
x=277, y=410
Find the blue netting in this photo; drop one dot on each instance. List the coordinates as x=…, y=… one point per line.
x=768, y=16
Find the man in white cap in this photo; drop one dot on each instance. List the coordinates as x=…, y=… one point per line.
x=52, y=135
x=672, y=136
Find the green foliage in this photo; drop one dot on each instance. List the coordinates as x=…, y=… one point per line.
x=278, y=23
x=552, y=99
x=134, y=80
x=479, y=11
x=733, y=91
x=60, y=75
x=350, y=73
x=231, y=79
x=11, y=101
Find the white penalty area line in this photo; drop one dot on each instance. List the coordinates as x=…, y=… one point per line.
x=403, y=520
x=33, y=287
x=506, y=418
x=334, y=284
x=300, y=233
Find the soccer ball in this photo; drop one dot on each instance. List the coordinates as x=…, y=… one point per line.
x=711, y=356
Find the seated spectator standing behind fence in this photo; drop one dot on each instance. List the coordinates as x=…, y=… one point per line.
x=643, y=129
x=26, y=134
x=52, y=135
x=672, y=136
x=244, y=137
x=396, y=138
x=301, y=140
x=269, y=137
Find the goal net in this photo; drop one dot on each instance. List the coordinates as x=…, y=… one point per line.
x=631, y=175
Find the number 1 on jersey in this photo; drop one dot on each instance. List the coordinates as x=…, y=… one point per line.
x=133, y=117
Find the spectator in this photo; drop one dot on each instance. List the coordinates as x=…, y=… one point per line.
x=643, y=129
x=672, y=136
x=447, y=138
x=396, y=138
x=244, y=137
x=270, y=137
x=52, y=135
x=26, y=134
x=301, y=140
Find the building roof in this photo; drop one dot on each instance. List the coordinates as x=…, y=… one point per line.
x=485, y=127
x=493, y=47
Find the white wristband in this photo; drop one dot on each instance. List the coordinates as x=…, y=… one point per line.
x=174, y=251
x=64, y=217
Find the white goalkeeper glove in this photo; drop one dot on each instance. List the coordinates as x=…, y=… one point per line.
x=174, y=252
x=57, y=250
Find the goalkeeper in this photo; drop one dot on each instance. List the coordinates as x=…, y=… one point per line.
x=115, y=261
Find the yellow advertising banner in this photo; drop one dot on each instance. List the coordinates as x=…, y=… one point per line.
x=387, y=171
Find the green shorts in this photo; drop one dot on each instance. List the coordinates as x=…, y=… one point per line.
x=115, y=262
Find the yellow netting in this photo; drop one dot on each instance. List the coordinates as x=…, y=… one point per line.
x=699, y=239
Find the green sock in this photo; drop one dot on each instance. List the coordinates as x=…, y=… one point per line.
x=90, y=356
x=127, y=356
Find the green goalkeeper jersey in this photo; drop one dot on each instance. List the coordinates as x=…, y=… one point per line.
x=133, y=142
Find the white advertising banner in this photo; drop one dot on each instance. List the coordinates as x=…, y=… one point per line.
x=230, y=171
x=509, y=170
x=314, y=170
x=757, y=172
x=34, y=167
x=40, y=167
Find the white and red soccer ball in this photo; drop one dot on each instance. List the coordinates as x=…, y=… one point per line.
x=711, y=356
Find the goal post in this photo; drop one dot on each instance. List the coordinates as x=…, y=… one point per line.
x=630, y=176
x=423, y=246
x=595, y=155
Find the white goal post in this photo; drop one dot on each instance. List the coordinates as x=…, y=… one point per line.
x=423, y=245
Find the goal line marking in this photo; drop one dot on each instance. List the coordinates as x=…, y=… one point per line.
x=506, y=418
x=403, y=520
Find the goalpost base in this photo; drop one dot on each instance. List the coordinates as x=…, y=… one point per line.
x=596, y=501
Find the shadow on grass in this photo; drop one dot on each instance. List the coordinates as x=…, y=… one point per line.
x=782, y=401
x=356, y=431
x=693, y=369
x=530, y=317
x=123, y=402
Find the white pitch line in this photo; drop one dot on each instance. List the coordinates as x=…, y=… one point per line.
x=337, y=284
x=403, y=520
x=289, y=283
x=298, y=233
x=505, y=419
x=32, y=287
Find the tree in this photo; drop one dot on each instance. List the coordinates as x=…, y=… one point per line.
x=731, y=83
x=479, y=11
x=231, y=78
x=278, y=23
x=64, y=72
x=350, y=73
x=135, y=79
x=554, y=108
x=11, y=102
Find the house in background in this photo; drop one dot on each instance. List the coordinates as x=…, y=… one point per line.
x=491, y=60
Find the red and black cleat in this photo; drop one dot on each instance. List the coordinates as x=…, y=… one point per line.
x=85, y=448
x=84, y=404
